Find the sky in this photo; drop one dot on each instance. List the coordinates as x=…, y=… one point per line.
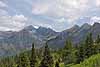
x=55, y=14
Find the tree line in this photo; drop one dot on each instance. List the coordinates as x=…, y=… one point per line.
x=68, y=55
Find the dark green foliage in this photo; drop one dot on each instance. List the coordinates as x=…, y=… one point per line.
x=97, y=44
x=80, y=54
x=8, y=62
x=89, y=49
x=33, y=57
x=23, y=60
x=57, y=64
x=47, y=60
x=86, y=49
x=93, y=61
x=98, y=39
x=68, y=53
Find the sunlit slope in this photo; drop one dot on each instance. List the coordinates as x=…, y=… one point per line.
x=93, y=61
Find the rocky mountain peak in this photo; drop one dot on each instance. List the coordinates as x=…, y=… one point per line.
x=74, y=28
x=85, y=26
x=30, y=28
x=96, y=24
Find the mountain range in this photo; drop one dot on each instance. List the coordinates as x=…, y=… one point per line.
x=12, y=42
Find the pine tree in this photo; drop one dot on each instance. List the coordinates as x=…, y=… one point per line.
x=33, y=57
x=89, y=44
x=47, y=60
x=68, y=56
x=13, y=62
x=23, y=60
x=98, y=39
x=80, y=54
x=97, y=44
x=57, y=64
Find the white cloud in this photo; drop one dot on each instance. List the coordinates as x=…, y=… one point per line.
x=19, y=18
x=94, y=19
x=98, y=3
x=70, y=9
x=15, y=23
x=61, y=20
x=5, y=28
x=3, y=12
x=37, y=9
x=56, y=14
x=2, y=4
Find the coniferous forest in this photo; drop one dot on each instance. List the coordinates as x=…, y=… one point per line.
x=84, y=54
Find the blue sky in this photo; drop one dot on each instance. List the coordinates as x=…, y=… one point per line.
x=56, y=14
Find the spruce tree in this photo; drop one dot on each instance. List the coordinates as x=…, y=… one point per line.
x=80, y=54
x=23, y=60
x=47, y=60
x=57, y=64
x=98, y=39
x=13, y=62
x=89, y=44
x=33, y=57
x=97, y=44
x=68, y=56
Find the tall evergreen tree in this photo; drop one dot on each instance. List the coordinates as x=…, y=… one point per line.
x=47, y=60
x=13, y=62
x=98, y=39
x=97, y=44
x=57, y=64
x=23, y=60
x=89, y=46
x=68, y=56
x=80, y=54
x=33, y=57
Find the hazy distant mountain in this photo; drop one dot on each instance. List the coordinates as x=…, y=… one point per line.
x=13, y=42
x=76, y=34
x=95, y=29
x=81, y=33
x=59, y=40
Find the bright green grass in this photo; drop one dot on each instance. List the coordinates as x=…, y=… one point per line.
x=93, y=61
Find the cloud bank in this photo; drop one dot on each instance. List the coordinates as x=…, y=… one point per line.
x=56, y=14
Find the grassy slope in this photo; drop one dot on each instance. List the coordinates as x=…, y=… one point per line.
x=93, y=61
